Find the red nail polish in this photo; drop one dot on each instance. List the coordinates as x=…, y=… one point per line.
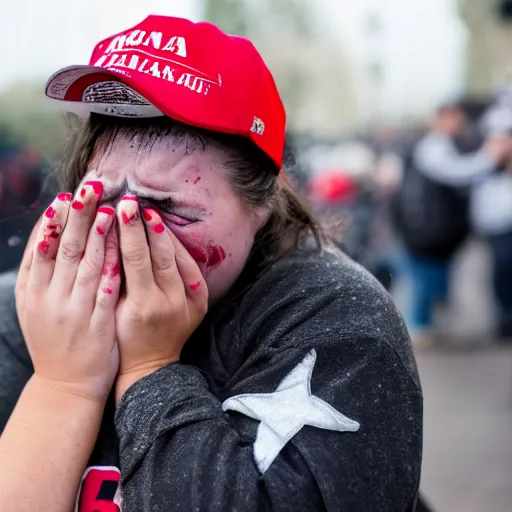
x=83, y=192
x=65, y=196
x=50, y=212
x=195, y=286
x=106, y=209
x=44, y=246
x=146, y=213
x=97, y=187
x=159, y=228
x=100, y=230
x=125, y=218
x=129, y=198
x=77, y=205
x=108, y=291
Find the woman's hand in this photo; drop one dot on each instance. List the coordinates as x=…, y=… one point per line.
x=66, y=295
x=166, y=296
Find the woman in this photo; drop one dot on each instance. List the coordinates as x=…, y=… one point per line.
x=252, y=366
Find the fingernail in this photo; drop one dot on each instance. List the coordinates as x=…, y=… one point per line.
x=106, y=209
x=105, y=223
x=97, y=186
x=152, y=216
x=50, y=212
x=83, y=192
x=64, y=196
x=129, y=211
x=77, y=205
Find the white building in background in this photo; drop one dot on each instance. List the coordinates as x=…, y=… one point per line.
x=417, y=47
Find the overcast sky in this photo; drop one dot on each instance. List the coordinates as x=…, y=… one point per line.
x=420, y=46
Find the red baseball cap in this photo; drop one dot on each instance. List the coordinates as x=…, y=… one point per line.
x=191, y=72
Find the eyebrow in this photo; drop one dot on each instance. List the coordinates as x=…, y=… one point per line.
x=169, y=202
x=172, y=203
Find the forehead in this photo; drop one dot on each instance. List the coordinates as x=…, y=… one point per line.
x=157, y=160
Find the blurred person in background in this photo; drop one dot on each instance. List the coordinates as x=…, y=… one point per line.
x=432, y=208
x=491, y=212
x=21, y=184
x=189, y=338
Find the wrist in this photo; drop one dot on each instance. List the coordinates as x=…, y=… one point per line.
x=50, y=401
x=128, y=378
x=70, y=391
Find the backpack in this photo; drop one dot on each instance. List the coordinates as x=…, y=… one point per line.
x=432, y=219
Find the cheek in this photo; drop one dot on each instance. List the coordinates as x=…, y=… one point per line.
x=207, y=254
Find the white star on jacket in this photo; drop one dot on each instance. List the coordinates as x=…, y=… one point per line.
x=285, y=411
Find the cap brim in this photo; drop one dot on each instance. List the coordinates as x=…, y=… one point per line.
x=118, y=93
x=87, y=89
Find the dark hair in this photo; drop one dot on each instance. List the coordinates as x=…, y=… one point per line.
x=253, y=174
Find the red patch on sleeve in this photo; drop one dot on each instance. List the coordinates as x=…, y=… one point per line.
x=98, y=490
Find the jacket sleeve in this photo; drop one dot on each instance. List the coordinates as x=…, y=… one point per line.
x=15, y=364
x=276, y=450
x=437, y=158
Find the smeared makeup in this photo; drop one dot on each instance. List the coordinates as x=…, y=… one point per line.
x=210, y=218
x=111, y=269
x=44, y=246
x=207, y=255
x=110, y=282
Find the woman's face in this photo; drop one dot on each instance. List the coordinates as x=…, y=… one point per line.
x=188, y=185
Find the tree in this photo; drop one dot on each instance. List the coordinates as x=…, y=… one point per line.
x=311, y=71
x=28, y=119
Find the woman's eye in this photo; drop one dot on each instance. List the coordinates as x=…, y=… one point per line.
x=180, y=221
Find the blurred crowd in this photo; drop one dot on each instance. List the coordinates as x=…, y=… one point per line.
x=23, y=192
x=402, y=202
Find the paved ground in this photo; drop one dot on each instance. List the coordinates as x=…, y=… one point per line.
x=468, y=402
x=468, y=430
